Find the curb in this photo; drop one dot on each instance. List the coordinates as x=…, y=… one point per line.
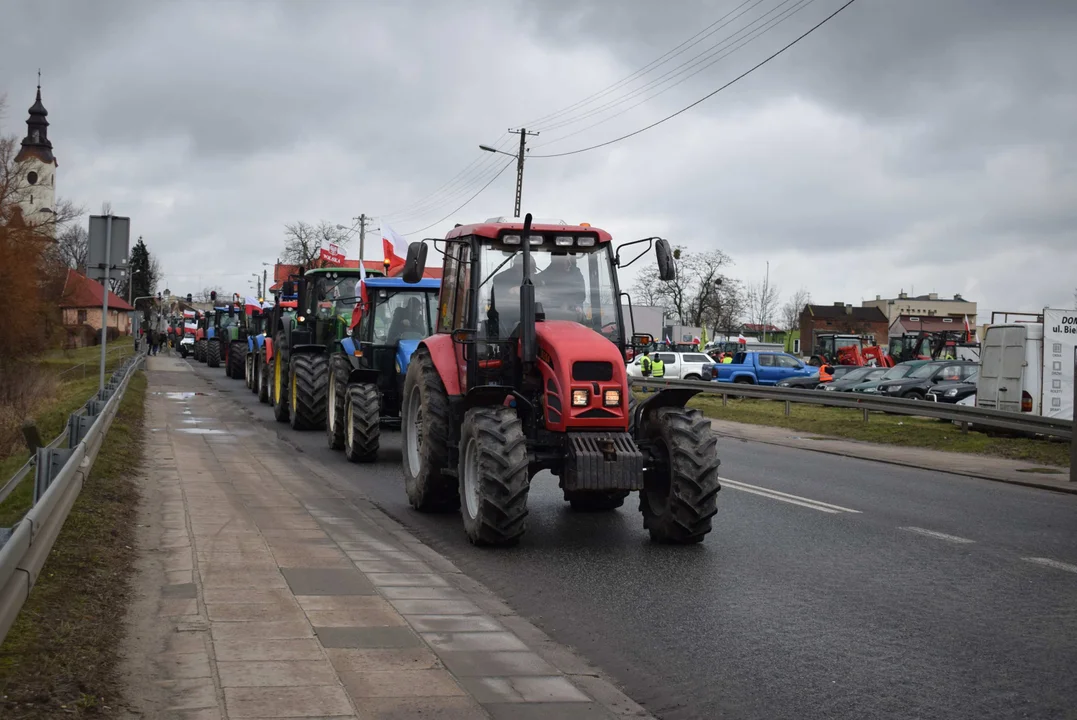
x=901, y=463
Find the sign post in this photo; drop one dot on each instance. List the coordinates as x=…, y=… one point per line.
x=107, y=249
x=1073, y=437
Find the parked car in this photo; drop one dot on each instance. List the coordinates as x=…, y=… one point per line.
x=954, y=392
x=916, y=384
x=854, y=378
x=764, y=368
x=811, y=382
x=899, y=371
x=678, y=366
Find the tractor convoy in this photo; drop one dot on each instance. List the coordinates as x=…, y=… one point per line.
x=509, y=362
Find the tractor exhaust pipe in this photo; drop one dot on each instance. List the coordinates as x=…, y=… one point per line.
x=528, y=339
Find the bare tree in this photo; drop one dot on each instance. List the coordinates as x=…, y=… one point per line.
x=303, y=241
x=205, y=295
x=701, y=295
x=73, y=246
x=763, y=299
x=790, y=315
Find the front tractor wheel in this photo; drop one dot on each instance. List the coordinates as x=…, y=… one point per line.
x=362, y=431
x=213, y=354
x=595, y=501
x=493, y=476
x=237, y=358
x=261, y=376
x=308, y=391
x=681, y=480
x=338, y=391
x=425, y=420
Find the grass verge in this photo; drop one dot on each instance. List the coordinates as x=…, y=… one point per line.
x=890, y=429
x=60, y=656
x=50, y=418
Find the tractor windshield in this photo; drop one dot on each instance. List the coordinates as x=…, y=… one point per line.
x=570, y=284
x=337, y=296
x=405, y=315
x=225, y=320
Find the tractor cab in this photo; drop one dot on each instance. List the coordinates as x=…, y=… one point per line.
x=525, y=372
x=327, y=297
x=394, y=317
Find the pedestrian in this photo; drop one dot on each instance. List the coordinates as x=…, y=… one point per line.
x=645, y=366
x=658, y=368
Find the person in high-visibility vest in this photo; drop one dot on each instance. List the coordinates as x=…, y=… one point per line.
x=658, y=368
x=645, y=364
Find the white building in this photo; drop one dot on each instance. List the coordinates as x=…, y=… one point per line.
x=37, y=167
x=930, y=305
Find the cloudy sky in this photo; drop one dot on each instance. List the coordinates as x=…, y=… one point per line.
x=917, y=145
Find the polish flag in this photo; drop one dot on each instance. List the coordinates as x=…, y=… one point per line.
x=968, y=332
x=251, y=304
x=360, y=292
x=396, y=247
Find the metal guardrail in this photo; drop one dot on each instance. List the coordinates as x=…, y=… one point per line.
x=59, y=476
x=974, y=416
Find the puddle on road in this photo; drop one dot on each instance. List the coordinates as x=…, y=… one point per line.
x=197, y=420
x=181, y=395
x=203, y=431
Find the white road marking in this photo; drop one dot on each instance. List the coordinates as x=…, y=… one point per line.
x=939, y=535
x=785, y=497
x=1048, y=562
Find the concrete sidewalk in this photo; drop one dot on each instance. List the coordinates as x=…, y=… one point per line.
x=1016, y=472
x=264, y=593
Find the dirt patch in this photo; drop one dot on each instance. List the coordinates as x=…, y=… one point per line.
x=61, y=656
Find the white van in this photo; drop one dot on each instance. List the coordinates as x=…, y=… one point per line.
x=1011, y=368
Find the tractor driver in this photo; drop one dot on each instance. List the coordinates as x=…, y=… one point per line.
x=505, y=294
x=561, y=288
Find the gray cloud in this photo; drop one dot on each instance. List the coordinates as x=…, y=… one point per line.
x=897, y=138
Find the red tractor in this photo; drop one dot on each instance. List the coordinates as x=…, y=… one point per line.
x=526, y=372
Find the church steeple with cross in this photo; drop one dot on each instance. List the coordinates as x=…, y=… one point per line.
x=37, y=164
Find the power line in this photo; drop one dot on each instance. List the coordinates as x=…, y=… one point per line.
x=703, y=57
x=743, y=75
x=467, y=202
x=476, y=179
x=657, y=62
x=770, y=25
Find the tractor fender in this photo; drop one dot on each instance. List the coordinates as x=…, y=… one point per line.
x=259, y=340
x=308, y=348
x=404, y=350
x=250, y=344
x=347, y=344
x=443, y=354
x=269, y=349
x=669, y=397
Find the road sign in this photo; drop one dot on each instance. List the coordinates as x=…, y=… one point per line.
x=97, y=253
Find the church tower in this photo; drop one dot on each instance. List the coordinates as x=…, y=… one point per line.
x=37, y=166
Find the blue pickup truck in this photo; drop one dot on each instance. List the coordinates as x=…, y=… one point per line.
x=762, y=368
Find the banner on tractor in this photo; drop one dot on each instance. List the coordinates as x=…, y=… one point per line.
x=331, y=256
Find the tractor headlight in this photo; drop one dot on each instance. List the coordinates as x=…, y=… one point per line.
x=585, y=241
x=535, y=239
x=612, y=398
x=511, y=239
x=563, y=240
x=298, y=319
x=579, y=398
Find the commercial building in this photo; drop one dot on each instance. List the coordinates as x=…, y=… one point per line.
x=930, y=305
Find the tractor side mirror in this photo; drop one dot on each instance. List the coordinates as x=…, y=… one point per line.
x=667, y=270
x=415, y=265
x=642, y=340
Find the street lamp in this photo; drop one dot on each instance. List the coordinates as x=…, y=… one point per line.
x=519, y=162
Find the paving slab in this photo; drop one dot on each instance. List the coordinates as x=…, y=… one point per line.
x=272, y=595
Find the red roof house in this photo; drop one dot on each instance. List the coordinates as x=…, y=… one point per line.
x=81, y=303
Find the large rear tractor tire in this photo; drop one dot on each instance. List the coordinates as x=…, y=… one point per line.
x=213, y=354
x=237, y=359
x=681, y=481
x=261, y=372
x=493, y=476
x=595, y=501
x=337, y=417
x=362, y=431
x=308, y=391
x=200, y=351
x=425, y=420
x=279, y=379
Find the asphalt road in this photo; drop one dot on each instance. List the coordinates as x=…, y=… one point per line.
x=830, y=588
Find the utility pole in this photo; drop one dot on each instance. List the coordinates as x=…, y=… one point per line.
x=362, y=220
x=520, y=166
x=519, y=163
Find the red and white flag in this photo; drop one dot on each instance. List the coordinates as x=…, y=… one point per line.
x=968, y=332
x=251, y=304
x=395, y=246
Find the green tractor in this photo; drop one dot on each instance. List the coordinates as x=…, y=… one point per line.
x=367, y=372
x=274, y=358
x=222, y=338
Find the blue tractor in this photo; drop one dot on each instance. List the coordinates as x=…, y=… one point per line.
x=370, y=366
